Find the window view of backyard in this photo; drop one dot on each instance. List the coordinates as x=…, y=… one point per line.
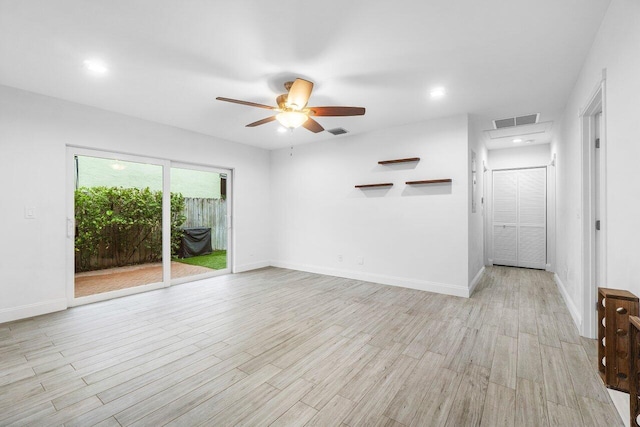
x=201, y=239
x=118, y=216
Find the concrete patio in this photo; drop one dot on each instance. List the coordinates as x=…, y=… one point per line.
x=113, y=279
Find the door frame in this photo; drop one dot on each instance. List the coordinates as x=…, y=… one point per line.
x=72, y=301
x=166, y=164
x=596, y=104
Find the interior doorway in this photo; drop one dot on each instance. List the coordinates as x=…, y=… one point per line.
x=597, y=196
x=594, y=213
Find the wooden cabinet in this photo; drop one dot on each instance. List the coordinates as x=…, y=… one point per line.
x=634, y=361
x=614, y=308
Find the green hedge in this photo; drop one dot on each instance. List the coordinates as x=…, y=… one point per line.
x=118, y=226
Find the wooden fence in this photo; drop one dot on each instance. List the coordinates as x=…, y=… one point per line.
x=210, y=213
x=121, y=247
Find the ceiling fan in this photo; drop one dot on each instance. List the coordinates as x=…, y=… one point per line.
x=292, y=108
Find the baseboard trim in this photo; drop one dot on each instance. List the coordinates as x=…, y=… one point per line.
x=253, y=266
x=575, y=314
x=421, y=285
x=476, y=280
x=32, y=310
x=622, y=404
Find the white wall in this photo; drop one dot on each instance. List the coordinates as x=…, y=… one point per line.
x=520, y=157
x=616, y=49
x=34, y=131
x=413, y=236
x=476, y=220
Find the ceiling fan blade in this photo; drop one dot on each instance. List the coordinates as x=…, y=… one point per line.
x=299, y=94
x=337, y=111
x=312, y=125
x=261, y=122
x=250, y=104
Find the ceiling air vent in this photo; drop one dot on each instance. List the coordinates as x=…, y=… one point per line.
x=337, y=131
x=529, y=119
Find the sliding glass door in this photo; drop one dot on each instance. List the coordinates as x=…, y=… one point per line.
x=137, y=224
x=199, y=232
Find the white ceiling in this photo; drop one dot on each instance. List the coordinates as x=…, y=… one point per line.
x=169, y=59
x=511, y=137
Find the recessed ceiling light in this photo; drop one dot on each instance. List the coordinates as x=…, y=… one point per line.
x=517, y=140
x=528, y=141
x=95, y=66
x=438, y=92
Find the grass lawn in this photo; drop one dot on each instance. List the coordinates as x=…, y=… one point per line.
x=216, y=260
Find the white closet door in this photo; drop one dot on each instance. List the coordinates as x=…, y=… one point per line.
x=505, y=245
x=532, y=218
x=519, y=218
x=505, y=218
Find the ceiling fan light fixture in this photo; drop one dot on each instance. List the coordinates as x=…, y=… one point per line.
x=95, y=66
x=292, y=111
x=291, y=119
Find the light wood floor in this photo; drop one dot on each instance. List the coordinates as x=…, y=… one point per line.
x=279, y=347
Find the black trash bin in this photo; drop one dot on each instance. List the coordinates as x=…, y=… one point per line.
x=195, y=241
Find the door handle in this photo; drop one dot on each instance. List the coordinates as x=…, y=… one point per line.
x=70, y=228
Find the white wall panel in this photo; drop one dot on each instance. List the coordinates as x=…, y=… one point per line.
x=613, y=56
x=415, y=236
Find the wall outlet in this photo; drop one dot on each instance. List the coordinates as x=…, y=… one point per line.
x=360, y=260
x=30, y=212
x=339, y=258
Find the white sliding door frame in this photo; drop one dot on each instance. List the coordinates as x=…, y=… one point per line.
x=166, y=226
x=229, y=201
x=166, y=165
